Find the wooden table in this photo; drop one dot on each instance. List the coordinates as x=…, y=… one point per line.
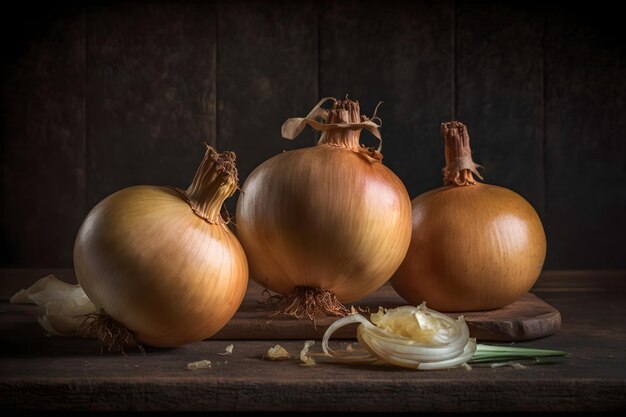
x=54, y=373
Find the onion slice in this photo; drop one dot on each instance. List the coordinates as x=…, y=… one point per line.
x=340, y=357
x=410, y=337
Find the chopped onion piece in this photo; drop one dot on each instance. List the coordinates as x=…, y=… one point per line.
x=228, y=350
x=193, y=366
x=410, y=337
x=308, y=361
x=65, y=305
x=277, y=353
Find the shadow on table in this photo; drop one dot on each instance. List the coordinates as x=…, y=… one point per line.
x=28, y=338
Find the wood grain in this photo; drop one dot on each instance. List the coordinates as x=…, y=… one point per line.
x=400, y=53
x=151, y=101
x=43, y=142
x=499, y=93
x=52, y=373
x=585, y=141
x=526, y=319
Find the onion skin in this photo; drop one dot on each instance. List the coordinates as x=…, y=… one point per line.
x=328, y=217
x=473, y=247
x=151, y=263
x=328, y=236
x=455, y=267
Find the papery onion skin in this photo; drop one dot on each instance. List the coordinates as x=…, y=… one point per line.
x=328, y=217
x=474, y=247
x=151, y=263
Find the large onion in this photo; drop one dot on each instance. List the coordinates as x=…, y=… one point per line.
x=162, y=262
x=324, y=223
x=474, y=246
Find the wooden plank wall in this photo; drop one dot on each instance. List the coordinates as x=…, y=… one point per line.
x=150, y=100
x=102, y=97
x=43, y=144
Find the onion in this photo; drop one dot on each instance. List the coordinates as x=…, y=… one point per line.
x=410, y=337
x=161, y=263
x=424, y=339
x=327, y=224
x=474, y=246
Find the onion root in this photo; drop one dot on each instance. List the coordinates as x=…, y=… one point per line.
x=307, y=302
x=112, y=334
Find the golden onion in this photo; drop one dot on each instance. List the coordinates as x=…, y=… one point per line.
x=161, y=262
x=325, y=224
x=474, y=246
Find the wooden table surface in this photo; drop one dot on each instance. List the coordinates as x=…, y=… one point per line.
x=54, y=373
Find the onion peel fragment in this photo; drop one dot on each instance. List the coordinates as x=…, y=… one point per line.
x=194, y=366
x=306, y=359
x=65, y=306
x=277, y=353
x=228, y=350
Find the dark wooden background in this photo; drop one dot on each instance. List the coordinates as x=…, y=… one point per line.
x=102, y=97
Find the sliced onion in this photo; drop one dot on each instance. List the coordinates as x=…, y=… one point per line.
x=340, y=357
x=436, y=340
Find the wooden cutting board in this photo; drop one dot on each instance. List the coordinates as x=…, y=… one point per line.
x=527, y=318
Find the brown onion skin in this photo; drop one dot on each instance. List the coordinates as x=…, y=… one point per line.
x=474, y=247
x=325, y=217
x=170, y=277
